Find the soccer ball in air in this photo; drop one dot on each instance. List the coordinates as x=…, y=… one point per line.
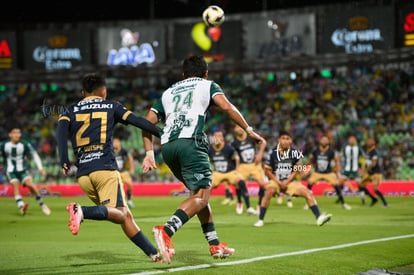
x=213, y=16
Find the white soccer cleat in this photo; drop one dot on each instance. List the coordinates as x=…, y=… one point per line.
x=323, y=218
x=306, y=207
x=46, y=210
x=226, y=201
x=239, y=209
x=346, y=206
x=279, y=200
x=130, y=204
x=259, y=223
x=289, y=204
x=251, y=211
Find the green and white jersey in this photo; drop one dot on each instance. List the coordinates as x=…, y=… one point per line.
x=183, y=108
x=15, y=156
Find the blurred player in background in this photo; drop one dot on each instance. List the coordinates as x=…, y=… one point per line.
x=321, y=159
x=373, y=171
x=16, y=153
x=229, y=197
x=125, y=163
x=90, y=124
x=251, y=159
x=281, y=168
x=184, y=147
x=226, y=164
x=351, y=158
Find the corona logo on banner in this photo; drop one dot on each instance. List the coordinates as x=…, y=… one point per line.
x=205, y=38
x=55, y=56
x=359, y=38
x=130, y=53
x=409, y=29
x=6, y=61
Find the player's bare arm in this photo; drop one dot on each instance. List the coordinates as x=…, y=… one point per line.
x=221, y=101
x=149, y=160
x=259, y=156
x=131, y=164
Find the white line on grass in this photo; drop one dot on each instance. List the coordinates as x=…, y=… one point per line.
x=307, y=251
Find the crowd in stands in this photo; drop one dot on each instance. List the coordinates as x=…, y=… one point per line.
x=364, y=101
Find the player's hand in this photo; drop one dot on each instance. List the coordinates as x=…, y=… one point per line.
x=258, y=158
x=148, y=164
x=258, y=138
x=65, y=169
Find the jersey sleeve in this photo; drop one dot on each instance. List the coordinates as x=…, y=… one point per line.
x=62, y=132
x=121, y=113
x=215, y=89
x=158, y=109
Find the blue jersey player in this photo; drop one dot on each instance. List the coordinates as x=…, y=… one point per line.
x=90, y=124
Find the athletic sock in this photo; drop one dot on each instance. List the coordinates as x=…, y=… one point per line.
x=339, y=193
x=142, y=242
x=379, y=194
x=229, y=194
x=19, y=201
x=210, y=233
x=175, y=222
x=39, y=200
x=244, y=193
x=238, y=194
x=98, y=213
x=261, y=195
x=367, y=192
x=262, y=213
x=315, y=210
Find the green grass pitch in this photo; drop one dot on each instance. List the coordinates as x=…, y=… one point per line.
x=354, y=241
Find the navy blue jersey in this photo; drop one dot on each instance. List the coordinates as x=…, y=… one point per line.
x=282, y=164
x=322, y=160
x=122, y=159
x=223, y=160
x=246, y=149
x=91, y=123
x=371, y=156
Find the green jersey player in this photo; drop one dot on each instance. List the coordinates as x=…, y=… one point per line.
x=15, y=154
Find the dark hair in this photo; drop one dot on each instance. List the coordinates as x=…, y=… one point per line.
x=194, y=66
x=284, y=133
x=91, y=82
